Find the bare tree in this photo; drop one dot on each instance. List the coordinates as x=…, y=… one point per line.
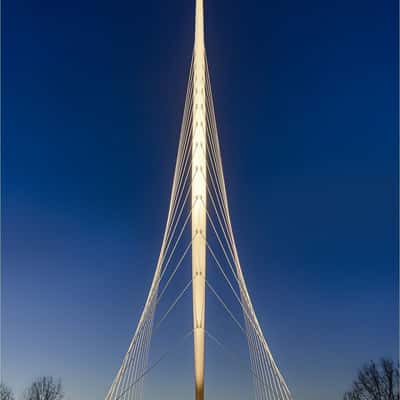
x=5, y=392
x=376, y=382
x=45, y=388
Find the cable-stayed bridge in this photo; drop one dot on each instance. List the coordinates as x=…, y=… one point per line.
x=198, y=225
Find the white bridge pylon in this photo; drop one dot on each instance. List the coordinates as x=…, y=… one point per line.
x=198, y=174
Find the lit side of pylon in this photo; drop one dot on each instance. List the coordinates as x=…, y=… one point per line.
x=199, y=194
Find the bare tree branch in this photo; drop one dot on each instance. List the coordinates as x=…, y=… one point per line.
x=5, y=392
x=45, y=388
x=375, y=382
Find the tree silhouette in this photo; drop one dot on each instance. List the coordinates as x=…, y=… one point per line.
x=5, y=392
x=45, y=388
x=376, y=382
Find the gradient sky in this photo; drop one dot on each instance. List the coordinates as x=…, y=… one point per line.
x=306, y=102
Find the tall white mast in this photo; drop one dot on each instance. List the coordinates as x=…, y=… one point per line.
x=199, y=199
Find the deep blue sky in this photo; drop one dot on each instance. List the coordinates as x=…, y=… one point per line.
x=306, y=102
